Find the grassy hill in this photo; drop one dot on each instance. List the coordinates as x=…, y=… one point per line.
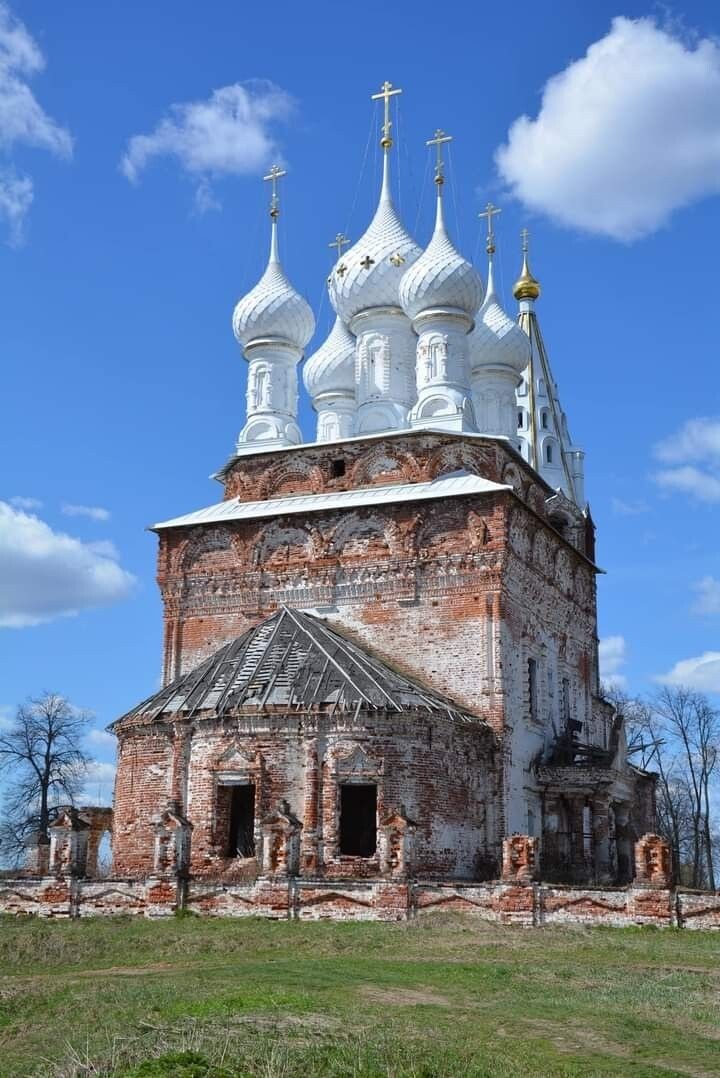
x=442, y=996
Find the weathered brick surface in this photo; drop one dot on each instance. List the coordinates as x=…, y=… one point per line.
x=458, y=593
x=441, y=771
x=374, y=900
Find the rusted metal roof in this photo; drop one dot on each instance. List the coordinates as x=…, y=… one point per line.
x=292, y=662
x=453, y=485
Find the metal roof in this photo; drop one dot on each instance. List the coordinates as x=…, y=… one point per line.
x=452, y=485
x=292, y=662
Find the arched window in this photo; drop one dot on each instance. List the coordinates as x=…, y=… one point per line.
x=520, y=421
x=542, y=392
x=549, y=453
x=545, y=419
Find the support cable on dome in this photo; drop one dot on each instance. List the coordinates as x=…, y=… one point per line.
x=362, y=168
x=453, y=191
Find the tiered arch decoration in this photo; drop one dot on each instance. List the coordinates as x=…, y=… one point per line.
x=208, y=550
x=365, y=537
x=381, y=465
x=291, y=477
x=279, y=545
x=454, y=458
x=444, y=530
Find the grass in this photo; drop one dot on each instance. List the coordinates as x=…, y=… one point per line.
x=443, y=996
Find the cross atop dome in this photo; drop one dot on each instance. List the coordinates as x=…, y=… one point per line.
x=276, y=173
x=490, y=211
x=438, y=140
x=386, y=92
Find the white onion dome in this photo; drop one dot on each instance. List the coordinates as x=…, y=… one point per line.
x=369, y=273
x=497, y=339
x=441, y=277
x=332, y=368
x=273, y=308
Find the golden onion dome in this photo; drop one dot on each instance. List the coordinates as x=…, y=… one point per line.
x=526, y=287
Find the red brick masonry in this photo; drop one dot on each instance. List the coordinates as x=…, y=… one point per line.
x=529, y=904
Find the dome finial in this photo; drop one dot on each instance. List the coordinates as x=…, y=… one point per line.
x=386, y=92
x=276, y=173
x=438, y=139
x=490, y=211
x=526, y=287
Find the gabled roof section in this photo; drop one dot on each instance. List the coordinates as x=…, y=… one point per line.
x=291, y=662
x=456, y=484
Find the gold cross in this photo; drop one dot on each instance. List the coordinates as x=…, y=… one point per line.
x=340, y=241
x=525, y=233
x=367, y=262
x=437, y=141
x=341, y=270
x=273, y=176
x=397, y=259
x=490, y=211
x=386, y=92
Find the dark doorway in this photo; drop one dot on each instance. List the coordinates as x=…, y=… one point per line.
x=358, y=820
x=241, y=835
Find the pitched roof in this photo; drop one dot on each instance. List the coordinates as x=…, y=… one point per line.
x=292, y=662
x=455, y=484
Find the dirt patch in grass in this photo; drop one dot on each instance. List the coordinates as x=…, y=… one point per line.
x=404, y=997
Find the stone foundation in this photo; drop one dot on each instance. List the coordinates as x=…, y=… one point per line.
x=528, y=905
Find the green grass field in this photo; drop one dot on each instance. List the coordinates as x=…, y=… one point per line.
x=443, y=996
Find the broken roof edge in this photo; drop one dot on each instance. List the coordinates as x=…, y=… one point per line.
x=454, y=484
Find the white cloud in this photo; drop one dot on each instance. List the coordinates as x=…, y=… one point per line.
x=101, y=739
x=228, y=134
x=47, y=574
x=612, y=655
x=701, y=673
x=23, y=122
x=708, y=592
x=629, y=508
x=98, y=785
x=91, y=511
x=694, y=455
x=29, y=504
x=624, y=136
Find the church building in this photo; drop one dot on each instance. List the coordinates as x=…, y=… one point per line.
x=380, y=645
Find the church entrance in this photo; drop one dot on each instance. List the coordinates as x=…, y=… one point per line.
x=358, y=820
x=241, y=830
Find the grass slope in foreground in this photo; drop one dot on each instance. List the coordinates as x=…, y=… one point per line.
x=440, y=996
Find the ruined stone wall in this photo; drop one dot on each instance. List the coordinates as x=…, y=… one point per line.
x=378, y=900
x=143, y=784
x=442, y=774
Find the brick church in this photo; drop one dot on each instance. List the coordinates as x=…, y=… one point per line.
x=380, y=645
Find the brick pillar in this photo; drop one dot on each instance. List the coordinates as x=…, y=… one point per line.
x=601, y=840
x=172, y=842
x=37, y=854
x=623, y=844
x=68, y=844
x=653, y=862
x=280, y=849
x=178, y=778
x=520, y=858
x=311, y=834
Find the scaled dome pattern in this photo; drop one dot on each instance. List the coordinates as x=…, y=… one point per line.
x=441, y=277
x=273, y=309
x=497, y=340
x=369, y=274
x=332, y=368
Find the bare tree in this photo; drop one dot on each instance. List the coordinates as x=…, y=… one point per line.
x=42, y=755
x=676, y=733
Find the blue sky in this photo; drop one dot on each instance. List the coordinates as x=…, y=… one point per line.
x=123, y=386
